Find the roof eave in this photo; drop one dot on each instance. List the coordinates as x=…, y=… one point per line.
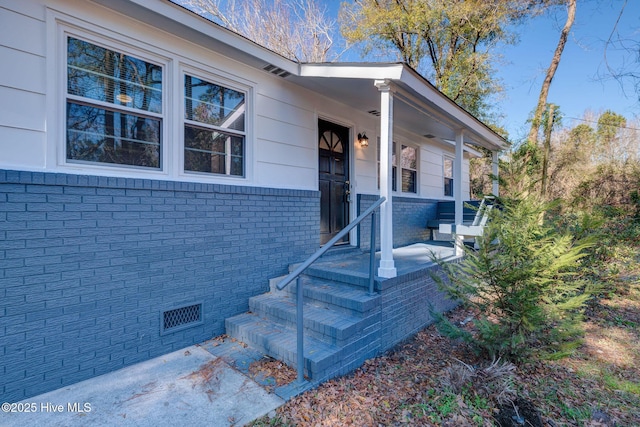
x=177, y=19
x=345, y=70
x=484, y=135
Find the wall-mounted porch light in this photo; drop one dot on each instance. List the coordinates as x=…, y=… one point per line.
x=363, y=140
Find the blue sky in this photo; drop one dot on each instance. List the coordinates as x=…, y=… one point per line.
x=578, y=84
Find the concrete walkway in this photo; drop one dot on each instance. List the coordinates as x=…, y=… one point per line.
x=187, y=387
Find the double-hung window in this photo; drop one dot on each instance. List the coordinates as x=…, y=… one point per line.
x=214, y=128
x=113, y=107
x=448, y=176
x=409, y=165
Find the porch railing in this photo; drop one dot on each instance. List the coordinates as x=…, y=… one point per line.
x=298, y=271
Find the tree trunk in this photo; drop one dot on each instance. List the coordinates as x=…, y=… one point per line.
x=551, y=71
x=547, y=152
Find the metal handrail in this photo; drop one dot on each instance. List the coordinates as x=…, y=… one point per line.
x=329, y=244
x=295, y=274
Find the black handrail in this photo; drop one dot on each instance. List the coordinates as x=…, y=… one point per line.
x=302, y=267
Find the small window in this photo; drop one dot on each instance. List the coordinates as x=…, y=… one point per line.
x=409, y=164
x=448, y=176
x=214, y=129
x=113, y=107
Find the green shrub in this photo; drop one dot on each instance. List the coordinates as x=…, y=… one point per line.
x=522, y=282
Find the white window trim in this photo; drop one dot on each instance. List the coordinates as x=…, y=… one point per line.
x=248, y=143
x=63, y=28
x=61, y=25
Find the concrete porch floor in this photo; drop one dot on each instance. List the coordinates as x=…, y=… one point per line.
x=407, y=259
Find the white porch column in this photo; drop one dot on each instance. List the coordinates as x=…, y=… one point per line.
x=457, y=188
x=495, y=170
x=387, y=266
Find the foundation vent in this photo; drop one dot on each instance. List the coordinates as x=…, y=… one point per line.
x=277, y=71
x=177, y=319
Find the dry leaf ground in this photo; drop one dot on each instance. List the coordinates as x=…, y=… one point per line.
x=599, y=385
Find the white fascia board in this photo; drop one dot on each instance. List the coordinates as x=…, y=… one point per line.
x=457, y=114
x=353, y=71
x=199, y=30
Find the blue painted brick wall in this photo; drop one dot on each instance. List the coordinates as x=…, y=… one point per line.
x=88, y=263
x=410, y=217
x=406, y=303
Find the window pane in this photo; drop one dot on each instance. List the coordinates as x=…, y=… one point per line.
x=448, y=186
x=394, y=161
x=325, y=141
x=207, y=150
x=408, y=158
x=105, y=75
x=336, y=143
x=448, y=168
x=237, y=146
x=394, y=184
x=105, y=136
x=213, y=104
x=237, y=166
x=408, y=181
x=237, y=156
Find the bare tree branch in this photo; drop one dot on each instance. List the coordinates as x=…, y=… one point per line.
x=297, y=29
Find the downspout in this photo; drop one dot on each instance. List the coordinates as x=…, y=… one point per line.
x=387, y=267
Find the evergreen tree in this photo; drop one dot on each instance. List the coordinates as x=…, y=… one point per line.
x=522, y=283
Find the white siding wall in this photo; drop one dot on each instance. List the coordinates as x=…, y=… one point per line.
x=22, y=89
x=282, y=122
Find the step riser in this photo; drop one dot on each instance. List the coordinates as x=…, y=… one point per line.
x=330, y=296
x=284, y=349
x=339, y=333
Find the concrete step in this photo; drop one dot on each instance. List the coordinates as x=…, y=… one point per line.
x=278, y=341
x=352, y=270
x=327, y=270
x=320, y=321
x=335, y=295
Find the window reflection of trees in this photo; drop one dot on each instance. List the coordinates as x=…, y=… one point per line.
x=409, y=165
x=109, y=94
x=212, y=113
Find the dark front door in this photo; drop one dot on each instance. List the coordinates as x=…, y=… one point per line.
x=333, y=142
